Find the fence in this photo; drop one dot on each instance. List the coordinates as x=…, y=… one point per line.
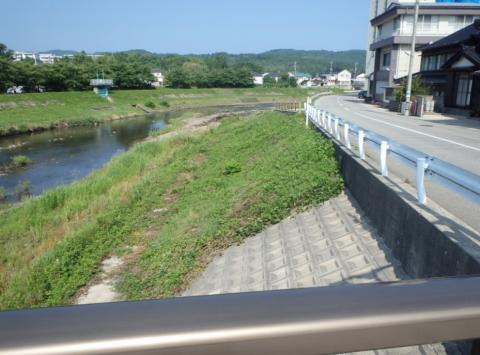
x=288, y=106
x=460, y=181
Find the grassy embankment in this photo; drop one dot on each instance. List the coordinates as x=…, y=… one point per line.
x=166, y=206
x=28, y=112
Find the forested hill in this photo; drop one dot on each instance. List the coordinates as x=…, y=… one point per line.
x=311, y=61
x=279, y=60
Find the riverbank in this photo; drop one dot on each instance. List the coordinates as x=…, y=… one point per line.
x=165, y=208
x=42, y=111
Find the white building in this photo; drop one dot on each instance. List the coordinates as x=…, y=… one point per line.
x=390, y=31
x=344, y=78
x=360, y=82
x=19, y=55
x=258, y=78
x=48, y=58
x=159, y=78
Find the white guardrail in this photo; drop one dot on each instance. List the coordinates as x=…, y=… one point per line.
x=454, y=178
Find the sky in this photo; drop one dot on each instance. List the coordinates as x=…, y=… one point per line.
x=183, y=26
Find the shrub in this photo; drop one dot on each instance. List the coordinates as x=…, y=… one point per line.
x=232, y=168
x=164, y=103
x=150, y=104
x=20, y=160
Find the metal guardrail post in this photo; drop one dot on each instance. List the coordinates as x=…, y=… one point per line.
x=454, y=178
x=422, y=165
x=346, y=134
x=361, y=144
x=383, y=158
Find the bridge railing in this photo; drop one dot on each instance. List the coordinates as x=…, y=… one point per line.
x=454, y=178
x=324, y=320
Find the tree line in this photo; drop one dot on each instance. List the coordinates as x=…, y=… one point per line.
x=71, y=73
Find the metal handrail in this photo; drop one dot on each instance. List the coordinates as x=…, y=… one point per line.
x=320, y=320
x=456, y=179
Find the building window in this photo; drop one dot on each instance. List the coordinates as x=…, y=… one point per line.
x=464, y=90
x=386, y=59
x=380, y=31
x=428, y=24
x=396, y=24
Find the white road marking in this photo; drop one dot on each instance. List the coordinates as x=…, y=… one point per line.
x=415, y=131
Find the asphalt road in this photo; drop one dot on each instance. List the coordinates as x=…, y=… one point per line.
x=453, y=139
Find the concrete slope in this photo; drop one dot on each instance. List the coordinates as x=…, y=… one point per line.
x=326, y=245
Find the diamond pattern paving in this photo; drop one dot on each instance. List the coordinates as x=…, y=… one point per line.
x=326, y=245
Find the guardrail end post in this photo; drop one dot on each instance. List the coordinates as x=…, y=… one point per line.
x=383, y=158
x=422, y=165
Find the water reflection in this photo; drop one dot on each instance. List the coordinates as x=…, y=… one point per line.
x=60, y=157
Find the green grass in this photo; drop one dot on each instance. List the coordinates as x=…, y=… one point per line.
x=213, y=190
x=30, y=112
x=20, y=160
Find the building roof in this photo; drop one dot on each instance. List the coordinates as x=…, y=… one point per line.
x=467, y=35
x=468, y=52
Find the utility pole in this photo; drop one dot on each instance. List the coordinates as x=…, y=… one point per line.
x=355, y=74
x=408, y=95
x=331, y=68
x=295, y=70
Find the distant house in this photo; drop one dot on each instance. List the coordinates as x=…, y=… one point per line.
x=258, y=78
x=360, y=82
x=274, y=75
x=302, y=78
x=159, y=78
x=451, y=68
x=344, y=78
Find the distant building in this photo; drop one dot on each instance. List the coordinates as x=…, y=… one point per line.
x=258, y=79
x=302, y=78
x=344, y=78
x=451, y=68
x=18, y=55
x=159, y=78
x=48, y=58
x=273, y=75
x=360, y=82
x=390, y=31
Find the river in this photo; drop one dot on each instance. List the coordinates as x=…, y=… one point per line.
x=60, y=157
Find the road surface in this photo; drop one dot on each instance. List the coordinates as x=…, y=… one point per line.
x=455, y=140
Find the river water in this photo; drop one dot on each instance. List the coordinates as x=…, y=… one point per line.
x=60, y=157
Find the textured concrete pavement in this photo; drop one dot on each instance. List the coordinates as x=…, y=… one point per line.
x=327, y=245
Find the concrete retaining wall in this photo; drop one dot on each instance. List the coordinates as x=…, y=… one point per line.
x=427, y=243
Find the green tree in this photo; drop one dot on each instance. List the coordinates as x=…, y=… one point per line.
x=177, y=79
